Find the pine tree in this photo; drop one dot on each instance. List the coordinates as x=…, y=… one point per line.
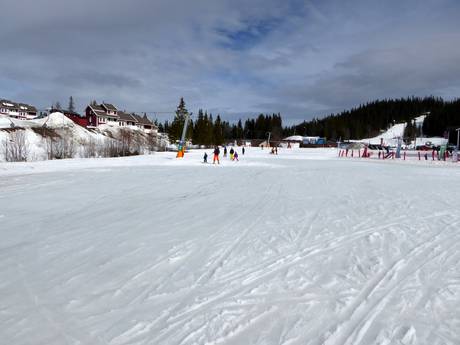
x=209, y=125
x=166, y=127
x=410, y=130
x=234, y=132
x=249, y=129
x=199, y=130
x=176, y=127
x=57, y=106
x=218, y=131
x=71, y=106
x=239, y=130
x=227, y=133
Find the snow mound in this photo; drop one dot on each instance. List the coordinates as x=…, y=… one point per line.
x=53, y=120
x=5, y=122
x=56, y=120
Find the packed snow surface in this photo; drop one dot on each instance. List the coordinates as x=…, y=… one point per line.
x=299, y=248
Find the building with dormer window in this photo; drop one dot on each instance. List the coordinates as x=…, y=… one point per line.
x=101, y=114
x=108, y=114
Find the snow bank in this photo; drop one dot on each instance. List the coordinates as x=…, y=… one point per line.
x=5, y=122
x=57, y=126
x=55, y=120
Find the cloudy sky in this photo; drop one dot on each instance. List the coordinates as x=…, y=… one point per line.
x=233, y=57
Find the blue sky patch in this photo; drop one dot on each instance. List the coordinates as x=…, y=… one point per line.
x=253, y=33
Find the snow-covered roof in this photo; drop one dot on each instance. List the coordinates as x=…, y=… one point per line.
x=14, y=105
x=103, y=109
x=144, y=120
x=300, y=138
x=127, y=117
x=109, y=106
x=294, y=138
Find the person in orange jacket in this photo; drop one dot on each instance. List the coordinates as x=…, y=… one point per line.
x=216, y=155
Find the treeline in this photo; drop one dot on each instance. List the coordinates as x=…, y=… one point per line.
x=368, y=119
x=205, y=130
x=365, y=121
x=444, y=121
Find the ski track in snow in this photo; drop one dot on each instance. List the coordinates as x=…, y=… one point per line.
x=303, y=248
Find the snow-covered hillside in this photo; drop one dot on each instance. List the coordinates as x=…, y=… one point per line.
x=37, y=136
x=299, y=248
x=391, y=135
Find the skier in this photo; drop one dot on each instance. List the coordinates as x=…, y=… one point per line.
x=365, y=152
x=225, y=151
x=232, y=152
x=235, y=156
x=216, y=155
x=242, y=150
x=205, y=158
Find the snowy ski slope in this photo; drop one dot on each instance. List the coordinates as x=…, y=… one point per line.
x=302, y=248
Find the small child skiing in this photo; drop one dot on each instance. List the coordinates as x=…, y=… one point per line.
x=205, y=158
x=242, y=151
x=232, y=152
x=235, y=156
x=225, y=151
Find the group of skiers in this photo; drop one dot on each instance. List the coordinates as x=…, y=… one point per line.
x=233, y=155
